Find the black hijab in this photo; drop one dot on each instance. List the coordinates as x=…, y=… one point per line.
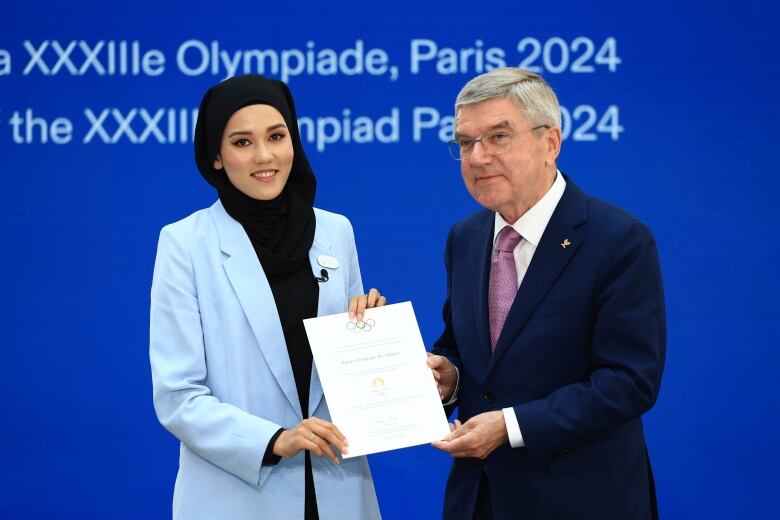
x=281, y=229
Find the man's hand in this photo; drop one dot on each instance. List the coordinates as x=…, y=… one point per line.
x=477, y=437
x=445, y=375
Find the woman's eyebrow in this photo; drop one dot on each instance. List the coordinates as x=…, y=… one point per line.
x=247, y=132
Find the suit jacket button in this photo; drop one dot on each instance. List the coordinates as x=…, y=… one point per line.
x=489, y=397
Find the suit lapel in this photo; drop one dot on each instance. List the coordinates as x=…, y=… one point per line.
x=556, y=248
x=254, y=294
x=482, y=249
x=329, y=292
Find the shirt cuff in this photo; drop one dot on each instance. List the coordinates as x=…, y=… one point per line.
x=512, y=428
x=269, y=458
x=457, y=386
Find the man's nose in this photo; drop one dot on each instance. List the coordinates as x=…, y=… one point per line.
x=478, y=155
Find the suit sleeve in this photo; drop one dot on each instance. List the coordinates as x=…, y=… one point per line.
x=446, y=345
x=628, y=351
x=223, y=434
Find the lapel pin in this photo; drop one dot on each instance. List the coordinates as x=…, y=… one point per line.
x=328, y=262
x=565, y=243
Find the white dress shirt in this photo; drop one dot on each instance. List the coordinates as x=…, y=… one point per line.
x=531, y=227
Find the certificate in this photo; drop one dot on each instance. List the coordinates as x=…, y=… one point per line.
x=380, y=391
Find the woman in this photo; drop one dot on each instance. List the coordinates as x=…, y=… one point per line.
x=231, y=364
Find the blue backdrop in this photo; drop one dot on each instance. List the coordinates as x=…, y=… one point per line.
x=671, y=112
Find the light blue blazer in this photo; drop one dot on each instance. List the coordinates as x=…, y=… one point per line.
x=222, y=379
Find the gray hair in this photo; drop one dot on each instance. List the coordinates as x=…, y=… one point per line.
x=532, y=93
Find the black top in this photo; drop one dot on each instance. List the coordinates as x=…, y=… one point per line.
x=296, y=296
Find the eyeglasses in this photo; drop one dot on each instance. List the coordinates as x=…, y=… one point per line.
x=494, y=143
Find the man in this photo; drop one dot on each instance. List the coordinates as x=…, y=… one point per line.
x=554, y=334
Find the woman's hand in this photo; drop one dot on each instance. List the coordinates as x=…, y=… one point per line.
x=358, y=304
x=313, y=434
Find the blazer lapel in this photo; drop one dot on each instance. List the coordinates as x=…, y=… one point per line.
x=251, y=286
x=558, y=245
x=328, y=293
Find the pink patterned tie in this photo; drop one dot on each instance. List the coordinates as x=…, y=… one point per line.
x=503, y=281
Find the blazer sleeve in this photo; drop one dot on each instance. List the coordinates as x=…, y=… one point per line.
x=355, y=282
x=223, y=434
x=628, y=350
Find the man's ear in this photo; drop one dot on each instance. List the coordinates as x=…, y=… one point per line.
x=553, y=139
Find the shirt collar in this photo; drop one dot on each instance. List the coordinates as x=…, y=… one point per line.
x=532, y=224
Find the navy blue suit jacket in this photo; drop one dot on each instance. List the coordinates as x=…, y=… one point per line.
x=579, y=358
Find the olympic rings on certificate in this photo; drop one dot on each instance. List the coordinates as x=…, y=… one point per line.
x=361, y=325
